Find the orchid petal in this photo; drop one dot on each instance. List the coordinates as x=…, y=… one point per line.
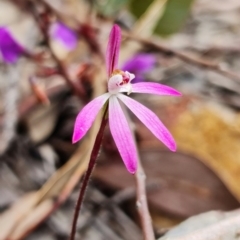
x=154, y=88
x=113, y=49
x=87, y=116
x=122, y=134
x=150, y=120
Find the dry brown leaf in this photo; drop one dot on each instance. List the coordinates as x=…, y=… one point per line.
x=208, y=131
x=42, y=121
x=12, y=216
x=31, y=220
x=181, y=190
x=212, y=134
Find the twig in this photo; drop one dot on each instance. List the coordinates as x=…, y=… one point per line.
x=216, y=49
x=142, y=205
x=184, y=57
x=90, y=168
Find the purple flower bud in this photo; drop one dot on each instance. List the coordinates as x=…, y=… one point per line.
x=10, y=50
x=66, y=36
x=139, y=65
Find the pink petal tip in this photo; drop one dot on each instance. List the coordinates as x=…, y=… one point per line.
x=150, y=120
x=122, y=135
x=87, y=116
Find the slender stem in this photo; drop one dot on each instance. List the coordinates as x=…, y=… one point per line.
x=88, y=173
x=142, y=205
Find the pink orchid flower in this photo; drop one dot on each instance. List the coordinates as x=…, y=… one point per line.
x=120, y=82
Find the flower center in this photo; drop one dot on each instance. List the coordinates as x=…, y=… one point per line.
x=120, y=82
x=125, y=76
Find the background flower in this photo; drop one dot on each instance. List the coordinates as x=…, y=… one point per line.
x=10, y=49
x=140, y=64
x=63, y=34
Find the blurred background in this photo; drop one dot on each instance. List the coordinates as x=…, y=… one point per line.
x=52, y=62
